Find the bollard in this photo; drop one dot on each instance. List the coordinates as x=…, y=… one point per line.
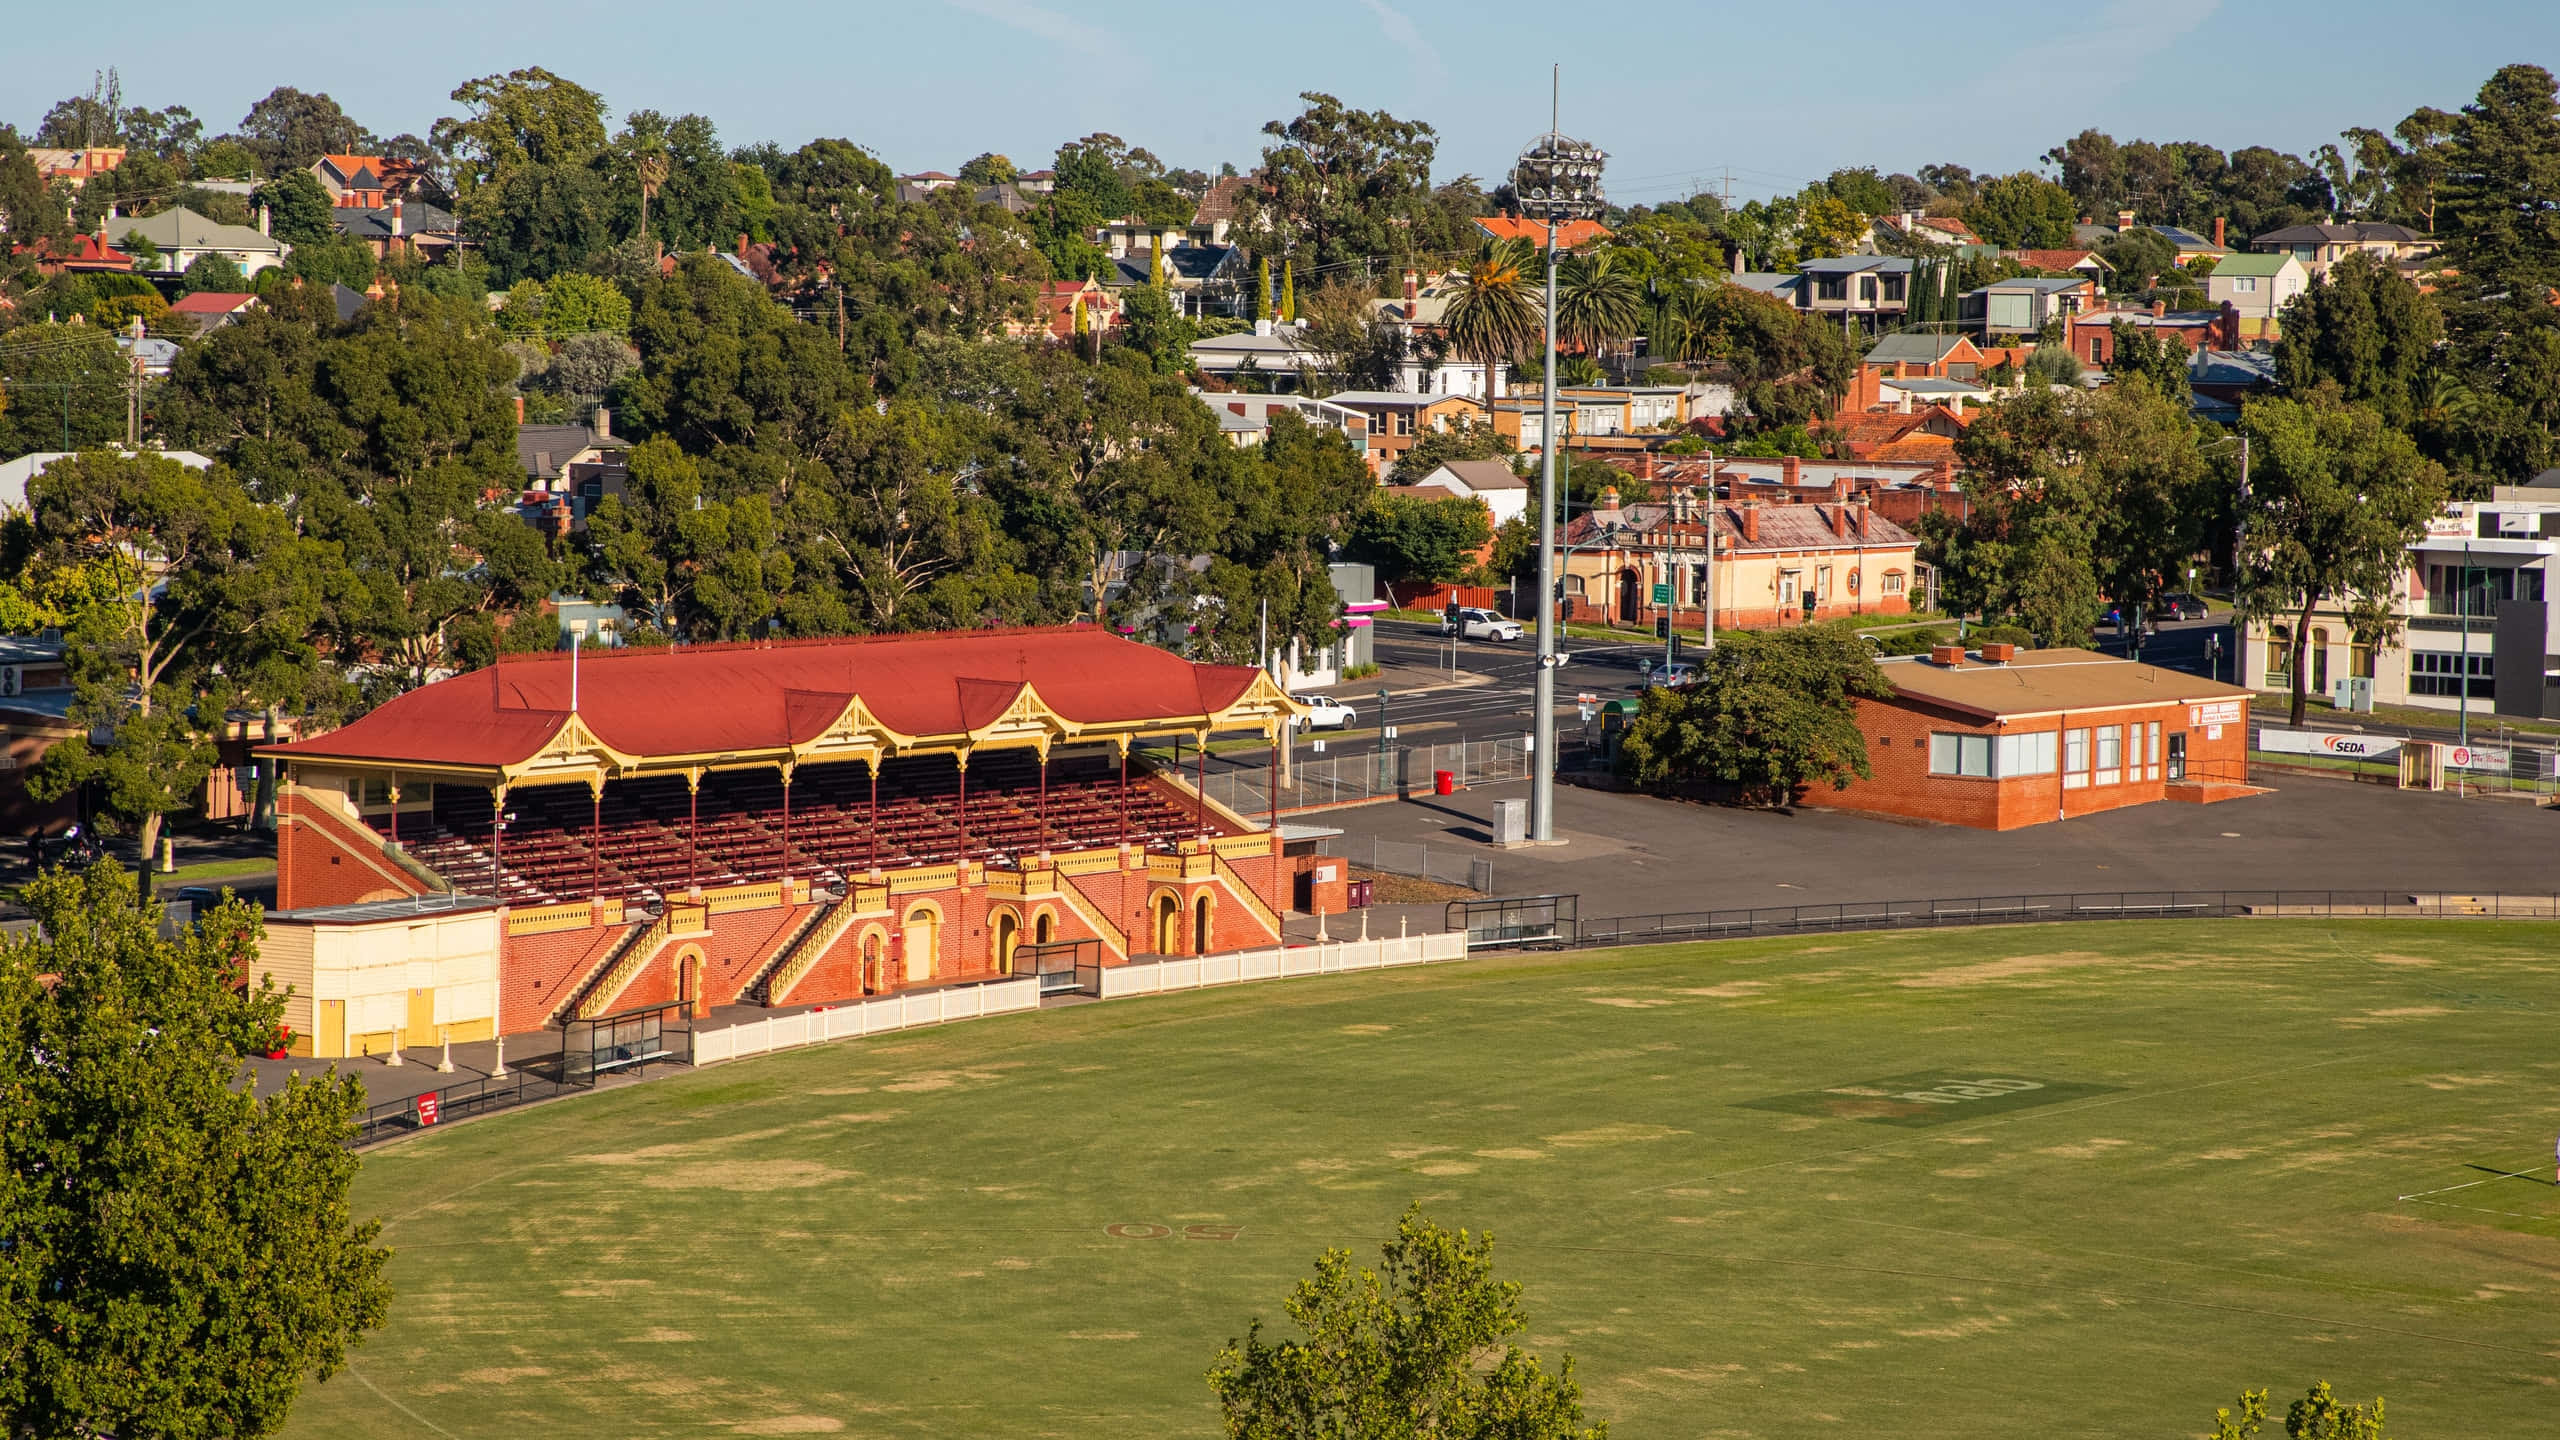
x=501, y=1067
x=444, y=1065
x=394, y=1061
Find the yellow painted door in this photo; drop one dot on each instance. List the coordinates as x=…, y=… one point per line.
x=422, y=1016
x=331, y=1042
x=919, y=948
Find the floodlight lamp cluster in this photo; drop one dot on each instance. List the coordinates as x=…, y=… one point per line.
x=1558, y=178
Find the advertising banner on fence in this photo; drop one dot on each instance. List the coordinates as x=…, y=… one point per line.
x=2317, y=742
x=2475, y=757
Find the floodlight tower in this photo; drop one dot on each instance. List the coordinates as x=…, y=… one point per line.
x=1557, y=182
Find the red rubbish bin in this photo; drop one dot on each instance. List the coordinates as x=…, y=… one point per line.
x=1359, y=896
x=1444, y=782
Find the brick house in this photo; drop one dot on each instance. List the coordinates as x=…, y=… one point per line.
x=1773, y=564
x=2093, y=336
x=2001, y=738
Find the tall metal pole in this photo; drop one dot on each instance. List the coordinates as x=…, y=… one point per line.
x=1542, y=781
x=2462, y=682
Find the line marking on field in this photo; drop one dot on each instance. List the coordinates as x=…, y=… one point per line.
x=2478, y=1210
x=2063, y=1253
x=2467, y=1184
x=396, y=1405
x=2135, y=1296
x=2013, y=1117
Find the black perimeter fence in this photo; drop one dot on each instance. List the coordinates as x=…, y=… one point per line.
x=592, y=1048
x=1554, y=922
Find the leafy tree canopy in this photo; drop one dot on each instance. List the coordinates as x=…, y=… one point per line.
x=1769, y=714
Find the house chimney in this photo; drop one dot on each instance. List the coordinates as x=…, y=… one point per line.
x=1412, y=290
x=2230, y=326
x=2159, y=308
x=604, y=423
x=1751, y=521
x=1644, y=466
x=1839, y=488
x=1790, y=469
x=519, y=410
x=2124, y=219
x=395, y=217
x=1737, y=259
x=1950, y=656
x=1609, y=498
x=265, y=219
x=1863, y=510
x=2217, y=232
x=742, y=244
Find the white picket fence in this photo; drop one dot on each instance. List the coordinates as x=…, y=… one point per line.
x=868, y=1017
x=1329, y=958
x=1008, y=997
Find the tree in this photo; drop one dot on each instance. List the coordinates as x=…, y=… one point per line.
x=2139, y=256
x=2092, y=168
x=62, y=387
x=2076, y=498
x=290, y=130
x=2161, y=359
x=1413, y=540
x=1466, y=440
x=1496, y=313
x=524, y=117
x=988, y=169
x=2365, y=328
x=213, y=273
x=1769, y=714
x=2318, y=1415
x=2502, y=170
x=301, y=210
x=1343, y=185
x=204, y=574
x=1831, y=227
x=2022, y=211
x=1418, y=1347
x=1599, y=301
x=176, y=1251
x=2335, y=498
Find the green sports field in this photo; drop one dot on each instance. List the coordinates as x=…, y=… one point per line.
x=2055, y=1180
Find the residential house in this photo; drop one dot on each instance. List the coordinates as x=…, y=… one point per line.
x=1865, y=436
x=184, y=237
x=2476, y=626
x=77, y=255
x=1777, y=285
x=1245, y=420
x=2192, y=246
x=1624, y=409
x=1395, y=417
x=1272, y=353
x=74, y=167
x=1058, y=306
x=14, y=474
x=2026, y=304
x=1943, y=230
x=208, y=310
x=1039, y=182
x=403, y=227
x=547, y=452
x=1200, y=278
x=2320, y=246
x=1933, y=357
x=1505, y=495
x=2257, y=286
x=149, y=355
x=1868, y=288
x=2093, y=333
x=1216, y=212
x=35, y=715
x=1014, y=199
x=928, y=180
x=367, y=182
x=1773, y=564
x=2222, y=379
x=2084, y=261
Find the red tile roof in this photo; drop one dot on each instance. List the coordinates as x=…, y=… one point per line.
x=2056, y=259
x=210, y=302
x=85, y=252
x=729, y=699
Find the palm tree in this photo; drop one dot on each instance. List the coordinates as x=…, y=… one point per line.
x=1496, y=313
x=1598, y=301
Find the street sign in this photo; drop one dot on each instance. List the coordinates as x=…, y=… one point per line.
x=1661, y=594
x=1391, y=732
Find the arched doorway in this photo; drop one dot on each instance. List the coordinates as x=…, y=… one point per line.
x=2319, y=658
x=873, y=981
x=1044, y=928
x=1168, y=925
x=689, y=997
x=1630, y=593
x=1200, y=925
x=923, y=943
x=1004, y=934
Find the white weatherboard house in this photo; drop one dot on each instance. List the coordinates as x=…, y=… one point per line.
x=184, y=237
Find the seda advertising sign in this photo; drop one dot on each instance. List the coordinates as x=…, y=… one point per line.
x=2315, y=742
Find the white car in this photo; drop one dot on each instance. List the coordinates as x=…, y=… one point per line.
x=1325, y=713
x=1477, y=624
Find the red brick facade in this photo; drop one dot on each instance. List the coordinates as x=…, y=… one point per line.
x=1898, y=752
x=322, y=859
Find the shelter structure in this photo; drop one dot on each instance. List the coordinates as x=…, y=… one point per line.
x=770, y=824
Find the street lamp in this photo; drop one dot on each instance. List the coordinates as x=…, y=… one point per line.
x=1557, y=180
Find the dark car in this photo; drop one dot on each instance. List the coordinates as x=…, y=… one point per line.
x=2180, y=605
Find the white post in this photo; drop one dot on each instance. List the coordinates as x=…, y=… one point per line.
x=444, y=1065
x=395, y=1047
x=501, y=1067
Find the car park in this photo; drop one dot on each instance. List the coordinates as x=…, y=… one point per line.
x=1480, y=624
x=1325, y=713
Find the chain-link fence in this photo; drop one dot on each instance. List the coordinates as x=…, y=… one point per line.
x=1453, y=864
x=2493, y=763
x=1322, y=781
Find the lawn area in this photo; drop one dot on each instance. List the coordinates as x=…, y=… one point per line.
x=2182, y=1176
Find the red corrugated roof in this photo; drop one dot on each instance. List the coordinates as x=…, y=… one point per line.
x=723, y=699
x=1571, y=235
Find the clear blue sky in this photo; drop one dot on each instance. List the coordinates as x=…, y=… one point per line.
x=1780, y=93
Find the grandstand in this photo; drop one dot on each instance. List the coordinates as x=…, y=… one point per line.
x=780, y=823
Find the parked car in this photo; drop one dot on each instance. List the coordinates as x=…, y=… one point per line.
x=1326, y=713
x=2181, y=605
x=1476, y=624
x=1658, y=676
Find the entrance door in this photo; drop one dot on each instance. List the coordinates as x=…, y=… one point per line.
x=1007, y=931
x=1630, y=594
x=1168, y=925
x=2178, y=756
x=922, y=945
x=873, y=982
x=1200, y=926
x=1044, y=929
